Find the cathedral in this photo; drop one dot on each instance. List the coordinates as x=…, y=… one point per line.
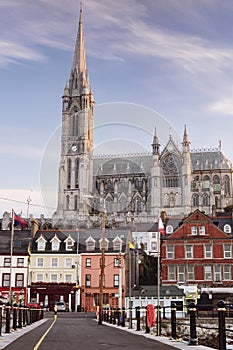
x=175, y=180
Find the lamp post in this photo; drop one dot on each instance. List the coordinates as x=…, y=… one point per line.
x=102, y=267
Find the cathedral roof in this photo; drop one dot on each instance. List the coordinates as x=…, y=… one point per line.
x=125, y=164
x=207, y=160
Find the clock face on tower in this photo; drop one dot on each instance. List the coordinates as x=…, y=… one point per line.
x=74, y=148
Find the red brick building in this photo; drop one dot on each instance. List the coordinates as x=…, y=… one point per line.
x=199, y=253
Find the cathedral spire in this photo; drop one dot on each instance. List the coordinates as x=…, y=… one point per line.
x=186, y=141
x=79, y=60
x=155, y=144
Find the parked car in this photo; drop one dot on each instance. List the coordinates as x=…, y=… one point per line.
x=62, y=306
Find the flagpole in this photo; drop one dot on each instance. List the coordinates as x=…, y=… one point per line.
x=11, y=256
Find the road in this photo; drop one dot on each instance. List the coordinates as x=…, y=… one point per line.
x=72, y=331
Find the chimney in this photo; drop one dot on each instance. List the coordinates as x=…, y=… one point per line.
x=34, y=227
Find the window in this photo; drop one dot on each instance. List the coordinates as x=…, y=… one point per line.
x=194, y=230
x=39, y=277
x=195, y=200
x=202, y=230
x=227, y=272
x=181, y=276
x=205, y=200
x=68, y=278
x=169, y=229
x=88, y=262
x=88, y=280
x=7, y=262
x=90, y=245
x=190, y=272
x=20, y=262
x=54, y=262
x=68, y=263
x=105, y=245
x=55, y=244
x=188, y=252
x=217, y=273
x=227, y=228
x=154, y=246
x=69, y=244
x=227, y=250
x=117, y=245
x=40, y=262
x=207, y=273
x=208, y=251
x=116, y=262
x=170, y=252
x=19, y=280
x=41, y=244
x=116, y=280
x=5, y=279
x=54, y=278
x=171, y=273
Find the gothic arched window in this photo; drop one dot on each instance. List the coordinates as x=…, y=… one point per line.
x=69, y=168
x=170, y=167
x=195, y=200
x=205, y=200
x=77, y=173
x=123, y=205
x=226, y=185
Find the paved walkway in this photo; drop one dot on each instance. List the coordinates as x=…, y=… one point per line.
x=8, y=338
x=176, y=344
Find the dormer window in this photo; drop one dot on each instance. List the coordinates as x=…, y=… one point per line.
x=169, y=229
x=105, y=245
x=227, y=228
x=55, y=241
x=41, y=243
x=117, y=244
x=69, y=241
x=90, y=244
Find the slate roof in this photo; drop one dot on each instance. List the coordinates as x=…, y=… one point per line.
x=21, y=241
x=82, y=236
x=152, y=291
x=125, y=164
x=209, y=160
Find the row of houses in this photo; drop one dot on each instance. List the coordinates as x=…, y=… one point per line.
x=194, y=257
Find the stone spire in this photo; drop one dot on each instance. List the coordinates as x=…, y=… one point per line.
x=155, y=144
x=79, y=61
x=186, y=141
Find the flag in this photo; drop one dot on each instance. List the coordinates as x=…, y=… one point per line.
x=19, y=221
x=161, y=228
x=131, y=246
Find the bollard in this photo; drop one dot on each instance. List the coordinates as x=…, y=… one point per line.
x=15, y=317
x=221, y=325
x=193, y=331
x=173, y=320
x=147, y=328
x=20, y=317
x=8, y=315
x=24, y=316
x=27, y=316
x=118, y=316
x=0, y=320
x=123, y=317
x=110, y=321
x=114, y=316
x=138, y=318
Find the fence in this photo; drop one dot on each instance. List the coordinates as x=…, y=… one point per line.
x=14, y=317
x=142, y=321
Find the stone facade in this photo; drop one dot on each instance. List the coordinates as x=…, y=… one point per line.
x=174, y=179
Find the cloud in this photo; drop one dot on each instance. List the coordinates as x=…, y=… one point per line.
x=222, y=106
x=20, y=151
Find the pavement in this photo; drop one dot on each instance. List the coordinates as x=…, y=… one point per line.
x=178, y=344
x=8, y=338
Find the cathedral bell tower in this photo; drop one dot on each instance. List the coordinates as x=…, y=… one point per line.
x=76, y=161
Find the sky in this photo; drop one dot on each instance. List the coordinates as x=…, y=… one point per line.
x=171, y=58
